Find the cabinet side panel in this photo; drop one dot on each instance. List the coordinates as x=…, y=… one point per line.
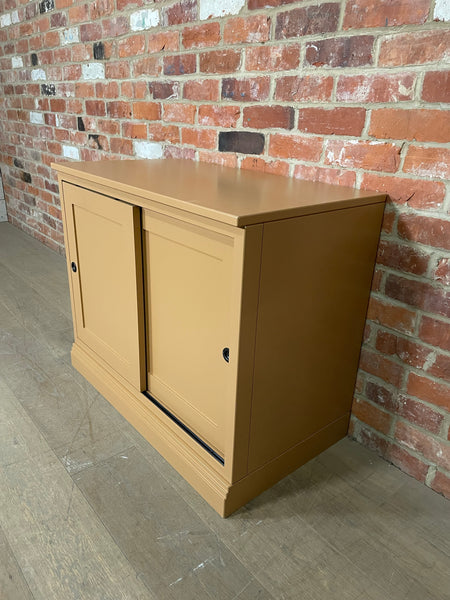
x=315, y=284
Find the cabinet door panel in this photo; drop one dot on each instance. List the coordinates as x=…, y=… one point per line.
x=188, y=288
x=104, y=243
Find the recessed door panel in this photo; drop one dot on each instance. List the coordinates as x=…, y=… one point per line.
x=104, y=242
x=188, y=290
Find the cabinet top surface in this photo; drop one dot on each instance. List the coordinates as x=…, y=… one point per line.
x=228, y=195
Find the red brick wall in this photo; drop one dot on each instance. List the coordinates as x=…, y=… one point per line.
x=351, y=92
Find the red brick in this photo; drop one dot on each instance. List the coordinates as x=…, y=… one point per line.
x=181, y=64
x=117, y=70
x=182, y=12
x=337, y=121
x=134, y=130
x=107, y=90
x=416, y=193
x=150, y=111
x=428, y=390
x=164, y=133
x=246, y=90
x=254, y=4
x=149, y=65
x=428, y=162
x=217, y=115
x=272, y=58
x=419, y=414
x=108, y=126
x=132, y=46
x=307, y=21
x=276, y=167
x=81, y=52
x=412, y=124
x=434, y=450
x=220, y=61
x=402, y=258
x=390, y=315
x=177, y=152
x=264, y=117
x=381, y=396
x=206, y=89
x=363, y=13
x=381, y=367
x=90, y=32
x=440, y=367
x=58, y=20
x=70, y=72
x=255, y=29
x=375, y=156
x=119, y=110
x=425, y=230
x=121, y=146
x=112, y=28
x=168, y=41
x=414, y=48
x=441, y=484
x=406, y=462
x=80, y=13
x=375, y=88
x=368, y=437
x=162, y=90
x=355, y=51
x=436, y=86
x=295, y=146
x=57, y=105
x=226, y=159
x=419, y=294
x=179, y=113
x=333, y=176
x=373, y=416
x=85, y=90
x=124, y=4
x=101, y=8
x=201, y=138
x=405, y=349
x=201, y=36
x=96, y=108
x=294, y=88
x=51, y=39
x=435, y=332
x=442, y=271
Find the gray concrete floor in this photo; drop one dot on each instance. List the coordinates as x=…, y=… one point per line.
x=90, y=511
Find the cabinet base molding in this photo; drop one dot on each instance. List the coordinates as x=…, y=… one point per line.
x=177, y=448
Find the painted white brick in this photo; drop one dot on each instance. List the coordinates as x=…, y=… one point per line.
x=37, y=117
x=57, y=121
x=38, y=75
x=442, y=10
x=148, y=149
x=15, y=16
x=219, y=8
x=70, y=36
x=144, y=19
x=71, y=152
x=5, y=20
x=17, y=62
x=93, y=71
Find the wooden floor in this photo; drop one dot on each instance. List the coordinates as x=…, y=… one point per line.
x=90, y=511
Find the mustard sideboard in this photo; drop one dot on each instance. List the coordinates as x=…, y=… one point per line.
x=220, y=311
